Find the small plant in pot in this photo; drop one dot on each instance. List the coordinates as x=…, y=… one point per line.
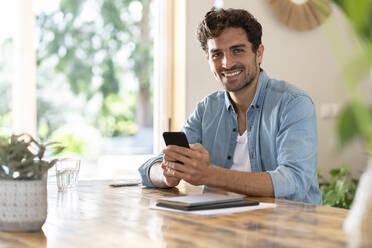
x=23, y=178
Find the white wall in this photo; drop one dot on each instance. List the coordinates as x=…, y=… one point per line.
x=304, y=59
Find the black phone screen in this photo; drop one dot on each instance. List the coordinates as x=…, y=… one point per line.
x=176, y=138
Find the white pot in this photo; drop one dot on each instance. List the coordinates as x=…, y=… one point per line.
x=23, y=205
x=358, y=223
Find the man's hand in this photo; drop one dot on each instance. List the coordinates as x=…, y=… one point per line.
x=196, y=163
x=197, y=170
x=169, y=179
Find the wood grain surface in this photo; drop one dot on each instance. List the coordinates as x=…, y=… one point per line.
x=97, y=215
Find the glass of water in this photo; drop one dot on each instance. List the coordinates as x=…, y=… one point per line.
x=67, y=173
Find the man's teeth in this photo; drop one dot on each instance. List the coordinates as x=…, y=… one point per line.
x=232, y=74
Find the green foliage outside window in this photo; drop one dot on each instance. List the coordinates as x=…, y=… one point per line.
x=115, y=119
x=6, y=48
x=99, y=54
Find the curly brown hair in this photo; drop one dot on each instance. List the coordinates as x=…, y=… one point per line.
x=216, y=20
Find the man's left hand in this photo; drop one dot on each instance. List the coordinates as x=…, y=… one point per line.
x=196, y=163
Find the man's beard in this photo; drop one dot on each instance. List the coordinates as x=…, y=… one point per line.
x=248, y=80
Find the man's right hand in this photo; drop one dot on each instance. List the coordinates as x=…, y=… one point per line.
x=169, y=180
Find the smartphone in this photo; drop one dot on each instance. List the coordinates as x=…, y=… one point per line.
x=176, y=138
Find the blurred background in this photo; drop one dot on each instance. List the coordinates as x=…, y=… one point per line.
x=94, y=73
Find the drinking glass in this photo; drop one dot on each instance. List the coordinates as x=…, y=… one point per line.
x=67, y=173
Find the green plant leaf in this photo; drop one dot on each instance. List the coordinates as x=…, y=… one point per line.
x=344, y=171
x=21, y=157
x=339, y=190
x=334, y=172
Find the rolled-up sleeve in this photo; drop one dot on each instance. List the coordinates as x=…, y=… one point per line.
x=297, y=147
x=144, y=170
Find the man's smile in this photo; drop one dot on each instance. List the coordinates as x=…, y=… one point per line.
x=232, y=73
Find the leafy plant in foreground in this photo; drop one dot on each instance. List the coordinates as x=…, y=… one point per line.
x=21, y=157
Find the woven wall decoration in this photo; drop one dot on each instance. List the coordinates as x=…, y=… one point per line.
x=301, y=14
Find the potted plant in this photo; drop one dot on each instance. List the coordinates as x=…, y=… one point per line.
x=23, y=177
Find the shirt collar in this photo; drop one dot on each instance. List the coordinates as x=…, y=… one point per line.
x=260, y=92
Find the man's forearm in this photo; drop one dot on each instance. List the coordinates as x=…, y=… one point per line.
x=156, y=176
x=249, y=183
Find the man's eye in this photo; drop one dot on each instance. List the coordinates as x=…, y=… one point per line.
x=216, y=55
x=238, y=50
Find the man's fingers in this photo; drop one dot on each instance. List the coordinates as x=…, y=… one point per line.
x=184, y=159
x=194, y=151
x=171, y=175
x=198, y=147
x=171, y=155
x=176, y=174
x=189, y=152
x=170, y=167
x=179, y=150
x=175, y=166
x=180, y=171
x=168, y=156
x=171, y=181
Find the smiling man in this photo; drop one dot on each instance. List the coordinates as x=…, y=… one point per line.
x=258, y=137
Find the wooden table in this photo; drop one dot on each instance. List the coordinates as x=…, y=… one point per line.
x=97, y=215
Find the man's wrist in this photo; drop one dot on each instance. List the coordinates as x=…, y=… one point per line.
x=156, y=175
x=212, y=177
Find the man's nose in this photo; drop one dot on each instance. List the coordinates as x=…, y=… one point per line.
x=227, y=61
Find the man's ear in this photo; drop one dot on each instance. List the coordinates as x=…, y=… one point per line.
x=259, y=53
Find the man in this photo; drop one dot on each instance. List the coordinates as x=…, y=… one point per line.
x=258, y=137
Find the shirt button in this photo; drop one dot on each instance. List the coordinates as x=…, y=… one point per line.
x=234, y=129
x=228, y=157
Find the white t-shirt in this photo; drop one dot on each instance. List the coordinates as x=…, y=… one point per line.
x=241, y=160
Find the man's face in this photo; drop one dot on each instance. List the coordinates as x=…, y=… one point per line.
x=232, y=60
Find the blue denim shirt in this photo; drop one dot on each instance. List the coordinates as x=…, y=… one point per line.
x=282, y=137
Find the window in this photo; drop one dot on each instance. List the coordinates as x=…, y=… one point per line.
x=94, y=76
x=6, y=66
